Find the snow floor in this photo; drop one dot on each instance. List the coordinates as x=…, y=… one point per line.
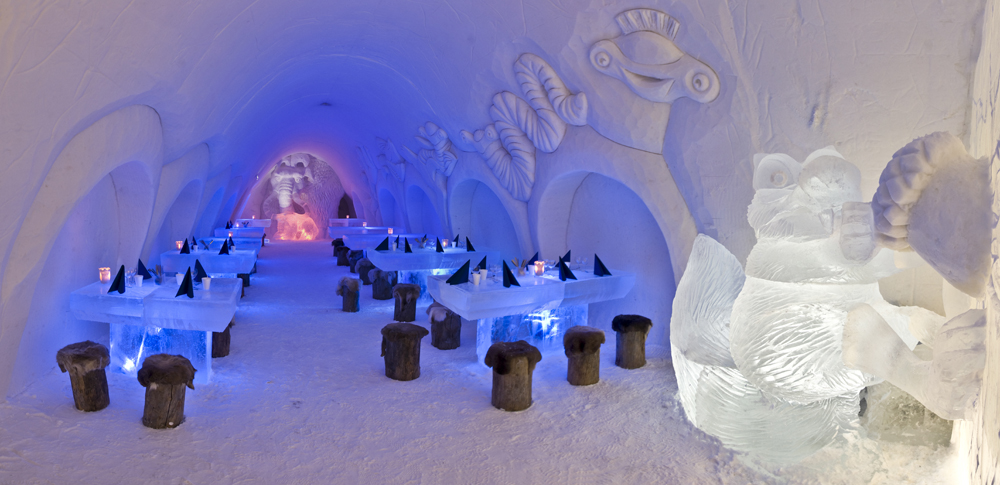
x=303, y=399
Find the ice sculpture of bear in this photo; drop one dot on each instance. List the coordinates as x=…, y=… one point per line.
x=758, y=355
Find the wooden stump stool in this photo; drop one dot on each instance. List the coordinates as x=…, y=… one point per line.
x=353, y=257
x=512, y=363
x=220, y=341
x=446, y=327
x=582, y=345
x=341, y=253
x=364, y=267
x=350, y=290
x=336, y=243
x=630, y=346
x=406, y=295
x=382, y=283
x=85, y=362
x=164, y=376
x=401, y=349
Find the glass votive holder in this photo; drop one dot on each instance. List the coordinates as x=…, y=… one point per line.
x=179, y=277
x=137, y=281
x=539, y=268
x=230, y=233
x=206, y=283
x=364, y=224
x=180, y=244
x=444, y=243
x=475, y=278
x=390, y=230
x=484, y=274
x=104, y=275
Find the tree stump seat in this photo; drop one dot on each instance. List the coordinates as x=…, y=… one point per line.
x=406, y=295
x=630, y=342
x=382, y=283
x=220, y=341
x=364, y=267
x=353, y=257
x=401, y=349
x=582, y=346
x=85, y=361
x=446, y=327
x=341, y=253
x=350, y=290
x=336, y=243
x=512, y=363
x=165, y=377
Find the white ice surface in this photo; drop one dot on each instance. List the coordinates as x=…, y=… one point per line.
x=371, y=241
x=215, y=243
x=340, y=231
x=303, y=399
x=254, y=222
x=429, y=258
x=240, y=232
x=237, y=261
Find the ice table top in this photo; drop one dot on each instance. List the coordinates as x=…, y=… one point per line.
x=491, y=299
x=215, y=243
x=257, y=232
x=237, y=261
x=254, y=222
x=335, y=232
x=157, y=306
x=347, y=222
x=428, y=258
x=371, y=241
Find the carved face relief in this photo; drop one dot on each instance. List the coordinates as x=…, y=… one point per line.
x=288, y=178
x=653, y=67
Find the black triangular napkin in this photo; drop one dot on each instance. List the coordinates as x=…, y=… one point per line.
x=231, y=243
x=482, y=264
x=119, y=283
x=384, y=245
x=187, y=288
x=199, y=271
x=142, y=271
x=185, y=249
x=508, y=277
x=599, y=268
x=532, y=260
x=564, y=271
x=468, y=245
x=439, y=248
x=406, y=245
x=460, y=276
x=396, y=242
x=567, y=256
x=225, y=249
x=456, y=240
x=229, y=225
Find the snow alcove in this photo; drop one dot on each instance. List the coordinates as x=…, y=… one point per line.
x=799, y=196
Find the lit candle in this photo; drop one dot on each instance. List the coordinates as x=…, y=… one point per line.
x=348, y=216
x=104, y=274
x=444, y=243
x=364, y=224
x=539, y=268
x=180, y=244
x=230, y=233
x=390, y=230
x=252, y=217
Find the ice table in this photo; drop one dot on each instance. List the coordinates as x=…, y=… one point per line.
x=257, y=232
x=347, y=222
x=236, y=262
x=335, y=232
x=150, y=320
x=254, y=222
x=371, y=241
x=539, y=311
x=422, y=263
x=215, y=243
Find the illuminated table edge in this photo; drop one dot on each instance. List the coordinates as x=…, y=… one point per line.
x=490, y=255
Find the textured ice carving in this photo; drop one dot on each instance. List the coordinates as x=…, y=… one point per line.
x=389, y=157
x=437, y=150
x=519, y=127
x=934, y=197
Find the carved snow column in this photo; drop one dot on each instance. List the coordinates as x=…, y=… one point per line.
x=406, y=295
x=350, y=290
x=582, y=346
x=353, y=257
x=446, y=327
x=85, y=362
x=341, y=253
x=630, y=344
x=165, y=377
x=363, y=268
x=221, y=340
x=401, y=349
x=513, y=364
x=382, y=283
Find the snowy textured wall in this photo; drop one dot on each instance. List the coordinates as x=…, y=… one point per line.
x=203, y=97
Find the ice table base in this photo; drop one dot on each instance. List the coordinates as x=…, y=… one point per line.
x=419, y=278
x=543, y=329
x=130, y=344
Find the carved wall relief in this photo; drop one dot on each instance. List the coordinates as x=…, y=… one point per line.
x=438, y=150
x=519, y=127
x=390, y=159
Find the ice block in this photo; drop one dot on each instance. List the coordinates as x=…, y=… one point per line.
x=254, y=222
x=237, y=261
x=371, y=241
x=257, y=232
x=347, y=222
x=340, y=231
x=130, y=344
x=92, y=302
x=209, y=310
x=427, y=258
x=543, y=328
x=490, y=299
x=215, y=243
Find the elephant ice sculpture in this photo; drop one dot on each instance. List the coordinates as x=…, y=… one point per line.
x=288, y=179
x=758, y=354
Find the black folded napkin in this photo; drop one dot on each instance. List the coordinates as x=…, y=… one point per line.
x=384, y=245
x=187, y=287
x=441, y=249
x=246, y=224
x=567, y=256
x=456, y=240
x=482, y=264
x=185, y=249
x=119, y=283
x=406, y=244
x=564, y=272
x=508, y=277
x=199, y=271
x=396, y=242
x=229, y=225
x=141, y=270
x=532, y=260
x=225, y=249
x=231, y=243
x=460, y=276
x=468, y=245
x=599, y=268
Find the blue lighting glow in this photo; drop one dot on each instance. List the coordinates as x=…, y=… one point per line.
x=130, y=344
x=543, y=328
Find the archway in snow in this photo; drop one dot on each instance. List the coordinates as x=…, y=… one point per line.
x=387, y=205
x=590, y=213
x=478, y=213
x=346, y=208
x=423, y=216
x=178, y=224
